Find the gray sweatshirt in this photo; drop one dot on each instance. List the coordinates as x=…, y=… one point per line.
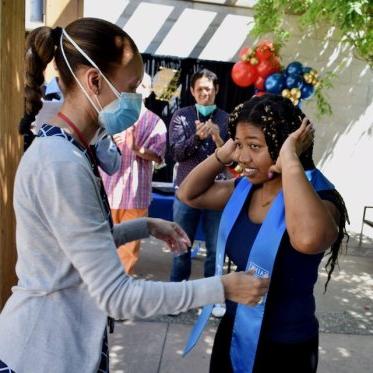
x=70, y=277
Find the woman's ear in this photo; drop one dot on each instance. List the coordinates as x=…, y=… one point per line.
x=93, y=80
x=216, y=89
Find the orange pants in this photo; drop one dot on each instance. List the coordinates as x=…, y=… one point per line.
x=129, y=252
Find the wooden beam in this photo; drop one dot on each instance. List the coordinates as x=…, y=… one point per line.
x=61, y=13
x=12, y=41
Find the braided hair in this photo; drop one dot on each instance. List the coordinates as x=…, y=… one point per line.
x=278, y=118
x=40, y=46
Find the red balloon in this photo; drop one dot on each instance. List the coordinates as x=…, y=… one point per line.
x=268, y=67
x=245, y=53
x=259, y=83
x=243, y=74
x=264, y=50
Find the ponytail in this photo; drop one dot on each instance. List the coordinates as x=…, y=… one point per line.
x=40, y=49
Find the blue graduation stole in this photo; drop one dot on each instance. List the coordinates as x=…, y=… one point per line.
x=248, y=320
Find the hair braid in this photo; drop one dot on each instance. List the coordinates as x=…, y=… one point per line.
x=335, y=249
x=40, y=47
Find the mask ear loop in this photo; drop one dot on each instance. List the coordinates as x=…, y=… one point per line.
x=72, y=72
x=85, y=55
x=98, y=102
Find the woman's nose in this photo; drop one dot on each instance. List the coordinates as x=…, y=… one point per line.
x=244, y=156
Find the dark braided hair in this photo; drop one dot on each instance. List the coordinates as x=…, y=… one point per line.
x=278, y=118
x=40, y=47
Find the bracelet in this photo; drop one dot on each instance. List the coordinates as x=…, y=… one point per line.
x=220, y=161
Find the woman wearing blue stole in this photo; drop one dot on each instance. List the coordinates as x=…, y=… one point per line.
x=279, y=219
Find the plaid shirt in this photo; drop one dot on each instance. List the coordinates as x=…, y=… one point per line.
x=131, y=186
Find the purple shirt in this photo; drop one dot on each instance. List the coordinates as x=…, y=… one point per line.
x=185, y=147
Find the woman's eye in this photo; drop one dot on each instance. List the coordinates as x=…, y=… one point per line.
x=238, y=146
x=254, y=146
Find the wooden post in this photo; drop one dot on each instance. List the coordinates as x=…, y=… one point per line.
x=12, y=41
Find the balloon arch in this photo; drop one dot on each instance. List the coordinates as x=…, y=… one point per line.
x=261, y=66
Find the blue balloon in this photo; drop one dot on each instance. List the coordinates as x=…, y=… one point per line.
x=294, y=68
x=294, y=81
x=307, y=69
x=307, y=91
x=275, y=83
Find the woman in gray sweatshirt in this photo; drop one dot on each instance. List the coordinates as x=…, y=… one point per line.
x=70, y=277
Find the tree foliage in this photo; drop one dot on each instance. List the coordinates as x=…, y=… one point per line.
x=352, y=17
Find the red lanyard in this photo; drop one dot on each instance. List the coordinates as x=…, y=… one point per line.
x=73, y=127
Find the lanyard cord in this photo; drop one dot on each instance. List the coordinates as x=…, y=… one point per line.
x=78, y=133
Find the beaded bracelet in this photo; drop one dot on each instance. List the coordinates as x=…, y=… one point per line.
x=230, y=164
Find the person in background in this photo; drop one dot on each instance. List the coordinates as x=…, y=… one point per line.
x=195, y=132
x=70, y=278
x=129, y=189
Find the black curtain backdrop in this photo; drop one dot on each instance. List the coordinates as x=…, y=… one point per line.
x=228, y=97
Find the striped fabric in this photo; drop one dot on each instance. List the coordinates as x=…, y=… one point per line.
x=130, y=187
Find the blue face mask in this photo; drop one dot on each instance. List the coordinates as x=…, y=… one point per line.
x=205, y=110
x=108, y=155
x=121, y=113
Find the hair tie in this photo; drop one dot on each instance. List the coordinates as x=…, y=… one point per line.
x=56, y=35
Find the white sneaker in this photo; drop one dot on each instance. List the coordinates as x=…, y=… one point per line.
x=218, y=310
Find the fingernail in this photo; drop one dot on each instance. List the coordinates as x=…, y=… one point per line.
x=270, y=175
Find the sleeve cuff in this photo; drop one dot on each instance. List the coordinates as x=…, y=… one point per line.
x=208, y=290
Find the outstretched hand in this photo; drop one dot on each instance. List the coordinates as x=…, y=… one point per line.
x=296, y=143
x=244, y=287
x=171, y=233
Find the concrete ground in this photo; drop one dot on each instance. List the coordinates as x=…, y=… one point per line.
x=345, y=313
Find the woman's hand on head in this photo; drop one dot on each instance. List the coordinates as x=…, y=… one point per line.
x=244, y=287
x=171, y=233
x=226, y=153
x=296, y=144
